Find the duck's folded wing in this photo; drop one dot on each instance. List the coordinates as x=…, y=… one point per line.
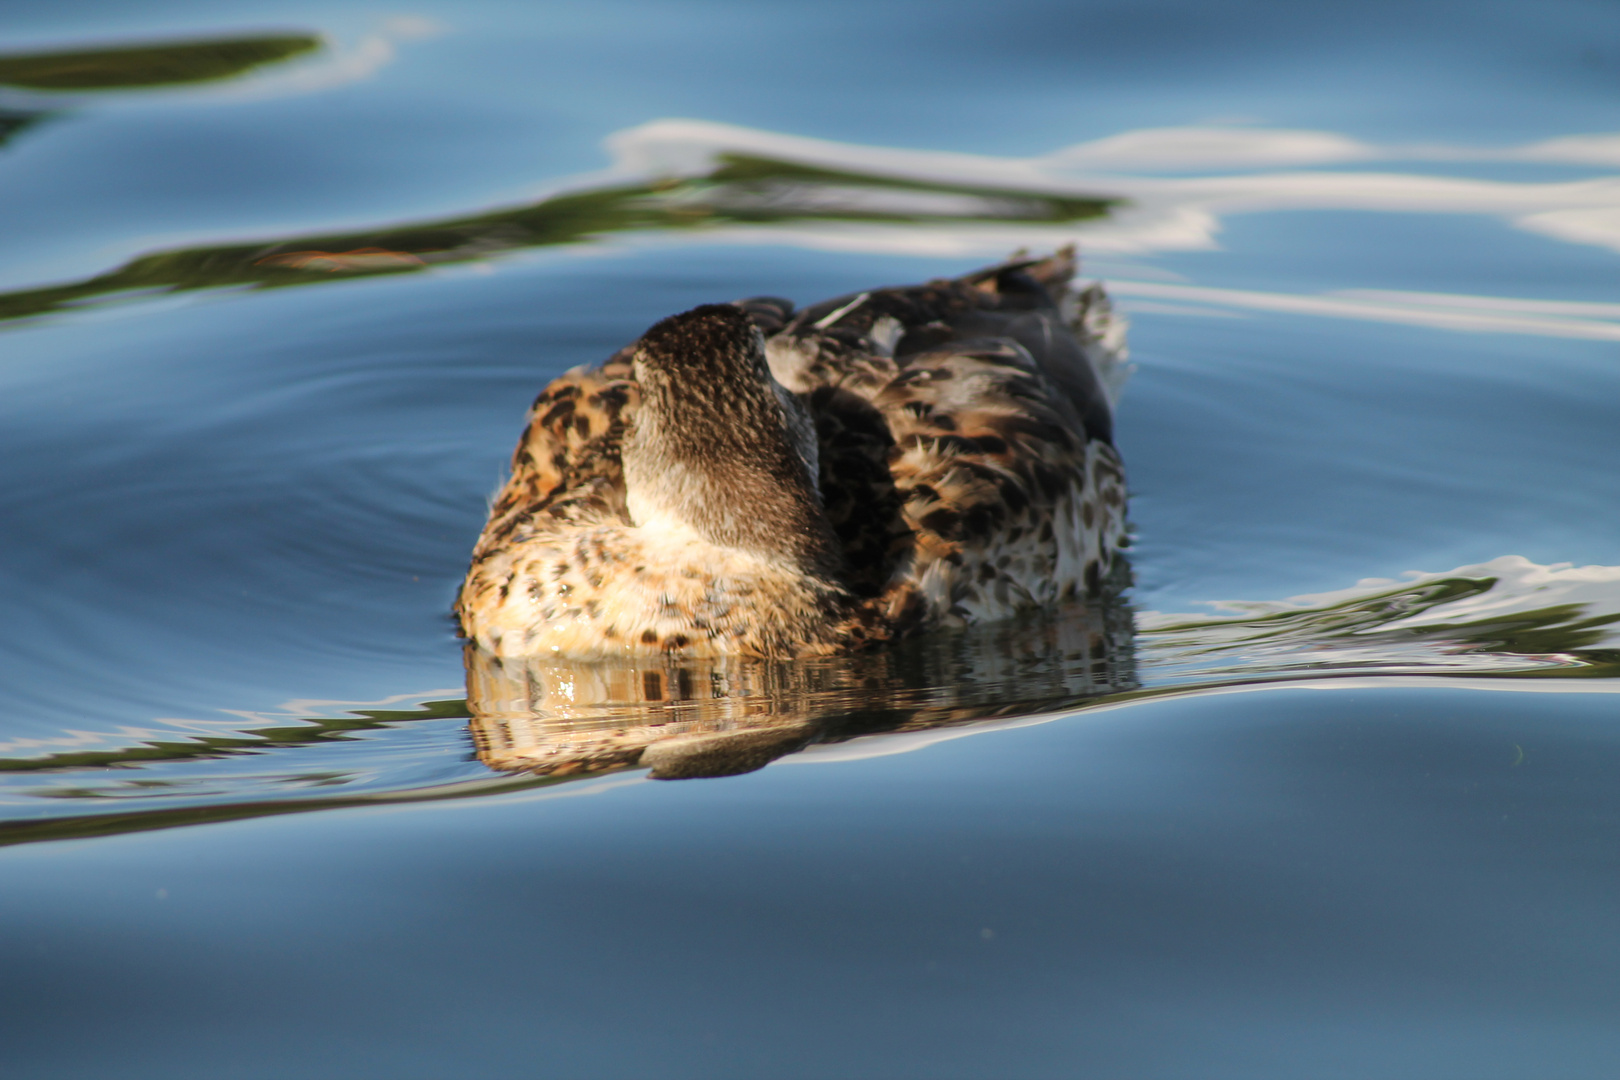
x=1010, y=503
x=998, y=487
x=860, y=342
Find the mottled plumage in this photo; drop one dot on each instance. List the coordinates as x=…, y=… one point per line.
x=747, y=479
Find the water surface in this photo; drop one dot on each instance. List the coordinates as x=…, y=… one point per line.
x=1330, y=794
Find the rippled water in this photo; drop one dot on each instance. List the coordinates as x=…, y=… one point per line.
x=1333, y=792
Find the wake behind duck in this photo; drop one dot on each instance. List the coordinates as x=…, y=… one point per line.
x=747, y=479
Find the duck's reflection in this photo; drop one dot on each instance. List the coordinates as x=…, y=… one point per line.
x=690, y=718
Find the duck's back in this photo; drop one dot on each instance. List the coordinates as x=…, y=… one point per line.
x=966, y=437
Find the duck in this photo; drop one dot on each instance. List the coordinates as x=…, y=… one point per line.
x=750, y=479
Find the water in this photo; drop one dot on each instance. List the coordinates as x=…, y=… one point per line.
x=1333, y=794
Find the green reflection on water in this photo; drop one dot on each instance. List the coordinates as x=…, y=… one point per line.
x=304, y=731
x=14, y=122
x=740, y=190
x=140, y=66
x=86, y=826
x=1385, y=632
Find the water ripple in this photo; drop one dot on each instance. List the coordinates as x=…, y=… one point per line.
x=1506, y=617
x=1498, y=623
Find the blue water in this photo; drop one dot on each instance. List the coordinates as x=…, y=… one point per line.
x=250, y=818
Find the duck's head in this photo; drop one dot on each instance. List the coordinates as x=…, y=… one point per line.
x=722, y=449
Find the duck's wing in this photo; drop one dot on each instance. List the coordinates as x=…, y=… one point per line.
x=984, y=479
x=861, y=342
x=1073, y=335
x=1011, y=503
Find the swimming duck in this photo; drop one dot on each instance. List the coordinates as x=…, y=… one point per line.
x=749, y=479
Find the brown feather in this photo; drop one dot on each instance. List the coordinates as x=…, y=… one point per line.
x=963, y=441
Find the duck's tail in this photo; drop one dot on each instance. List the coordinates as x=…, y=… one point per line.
x=1085, y=307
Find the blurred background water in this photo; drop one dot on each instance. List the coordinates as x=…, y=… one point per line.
x=1335, y=796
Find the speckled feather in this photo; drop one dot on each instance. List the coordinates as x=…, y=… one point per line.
x=961, y=468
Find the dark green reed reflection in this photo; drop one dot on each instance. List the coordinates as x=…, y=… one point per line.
x=302, y=732
x=740, y=190
x=1365, y=635
x=131, y=67
x=15, y=121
